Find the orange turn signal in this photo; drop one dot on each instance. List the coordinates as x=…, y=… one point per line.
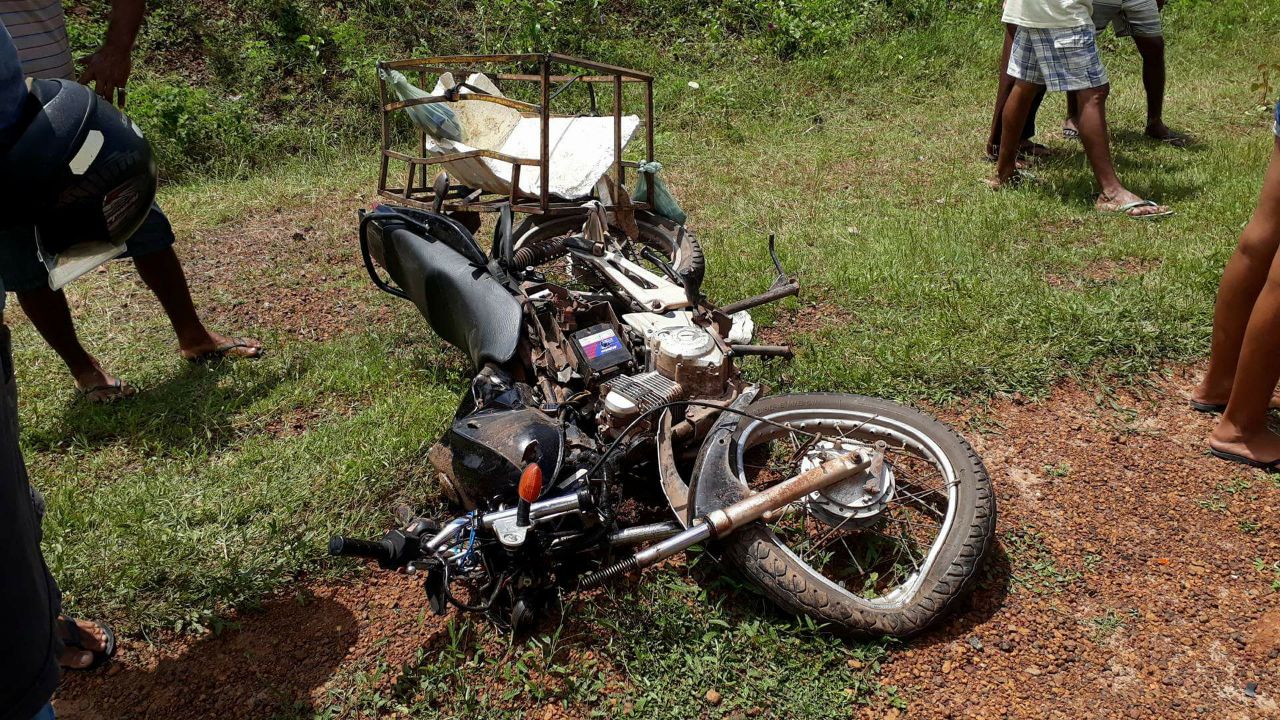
x=531, y=483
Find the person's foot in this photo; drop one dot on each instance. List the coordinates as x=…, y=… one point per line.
x=1129, y=204
x=97, y=386
x=1259, y=448
x=221, y=347
x=1003, y=183
x=92, y=636
x=1214, y=399
x=1157, y=130
x=994, y=156
x=1070, y=131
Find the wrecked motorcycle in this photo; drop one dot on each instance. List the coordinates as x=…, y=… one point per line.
x=602, y=374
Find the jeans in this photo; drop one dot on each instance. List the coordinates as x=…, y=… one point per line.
x=45, y=714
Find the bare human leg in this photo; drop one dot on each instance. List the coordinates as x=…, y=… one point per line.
x=1097, y=147
x=1071, y=126
x=162, y=272
x=51, y=316
x=1026, y=147
x=1153, y=81
x=1002, y=90
x=1242, y=282
x=1013, y=119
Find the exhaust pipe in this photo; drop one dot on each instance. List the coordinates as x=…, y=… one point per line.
x=719, y=523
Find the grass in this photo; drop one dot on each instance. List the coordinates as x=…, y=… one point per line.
x=666, y=649
x=196, y=497
x=1107, y=624
x=1034, y=568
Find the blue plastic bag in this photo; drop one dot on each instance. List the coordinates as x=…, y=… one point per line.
x=437, y=119
x=664, y=203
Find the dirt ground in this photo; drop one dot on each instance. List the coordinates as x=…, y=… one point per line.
x=1133, y=579
x=1134, y=576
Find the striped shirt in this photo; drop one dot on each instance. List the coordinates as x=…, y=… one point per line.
x=39, y=31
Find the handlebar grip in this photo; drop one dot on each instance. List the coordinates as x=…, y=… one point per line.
x=351, y=547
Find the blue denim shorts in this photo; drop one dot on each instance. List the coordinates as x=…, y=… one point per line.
x=21, y=269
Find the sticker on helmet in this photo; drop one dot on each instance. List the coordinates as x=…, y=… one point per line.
x=118, y=203
x=87, y=153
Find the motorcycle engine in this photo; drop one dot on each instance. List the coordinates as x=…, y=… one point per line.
x=684, y=360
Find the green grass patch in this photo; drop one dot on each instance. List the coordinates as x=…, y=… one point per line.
x=664, y=649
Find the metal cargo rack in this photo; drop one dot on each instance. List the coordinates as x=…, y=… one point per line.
x=414, y=187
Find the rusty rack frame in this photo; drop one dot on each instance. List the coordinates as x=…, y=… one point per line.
x=415, y=189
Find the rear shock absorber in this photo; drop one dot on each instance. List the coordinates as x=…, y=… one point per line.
x=540, y=252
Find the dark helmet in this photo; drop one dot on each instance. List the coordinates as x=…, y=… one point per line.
x=79, y=170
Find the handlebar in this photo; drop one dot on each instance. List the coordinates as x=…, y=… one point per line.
x=351, y=547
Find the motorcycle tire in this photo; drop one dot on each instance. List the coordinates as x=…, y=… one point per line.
x=768, y=562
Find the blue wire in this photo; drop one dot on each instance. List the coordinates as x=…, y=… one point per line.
x=469, y=555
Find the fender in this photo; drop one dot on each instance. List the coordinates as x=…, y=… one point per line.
x=715, y=483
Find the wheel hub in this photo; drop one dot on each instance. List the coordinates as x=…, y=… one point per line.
x=856, y=502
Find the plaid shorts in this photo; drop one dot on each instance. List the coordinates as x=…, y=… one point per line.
x=1062, y=59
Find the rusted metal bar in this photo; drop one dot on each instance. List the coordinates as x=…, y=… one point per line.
x=463, y=60
x=648, y=133
x=469, y=97
x=750, y=509
x=597, y=79
x=455, y=60
x=545, y=141
x=617, y=130
x=386, y=135
x=783, y=351
x=768, y=296
x=515, y=183
x=422, y=134
x=450, y=157
x=598, y=67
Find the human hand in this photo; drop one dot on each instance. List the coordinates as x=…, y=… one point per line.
x=108, y=70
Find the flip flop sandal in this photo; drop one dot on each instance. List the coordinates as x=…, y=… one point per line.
x=1125, y=208
x=108, y=393
x=222, y=352
x=1070, y=134
x=1211, y=408
x=76, y=639
x=1273, y=466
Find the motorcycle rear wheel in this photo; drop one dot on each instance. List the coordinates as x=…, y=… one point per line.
x=674, y=242
x=794, y=557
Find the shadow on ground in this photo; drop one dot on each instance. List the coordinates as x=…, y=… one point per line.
x=269, y=662
x=193, y=407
